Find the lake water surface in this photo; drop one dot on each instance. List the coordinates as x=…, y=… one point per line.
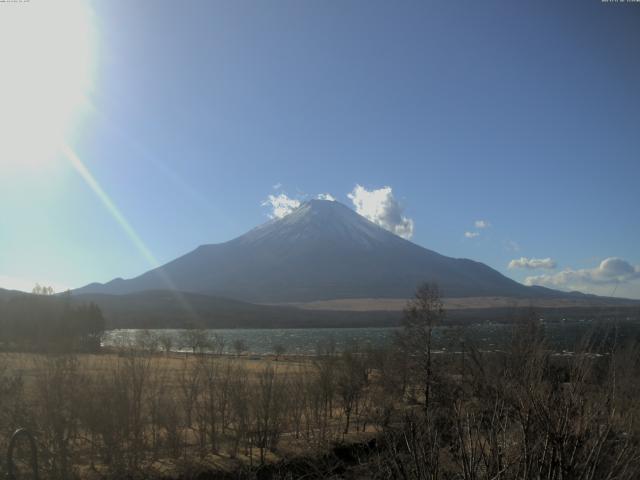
x=305, y=341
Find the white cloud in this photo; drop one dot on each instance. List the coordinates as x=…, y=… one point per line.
x=277, y=186
x=380, y=207
x=611, y=272
x=532, y=263
x=281, y=205
x=326, y=196
x=479, y=224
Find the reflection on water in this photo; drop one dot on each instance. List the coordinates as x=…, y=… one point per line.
x=296, y=341
x=299, y=341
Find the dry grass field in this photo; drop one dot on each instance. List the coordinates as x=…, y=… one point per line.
x=29, y=365
x=135, y=414
x=398, y=304
x=101, y=415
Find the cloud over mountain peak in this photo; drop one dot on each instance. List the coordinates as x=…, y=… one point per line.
x=381, y=207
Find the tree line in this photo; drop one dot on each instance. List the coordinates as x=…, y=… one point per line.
x=44, y=321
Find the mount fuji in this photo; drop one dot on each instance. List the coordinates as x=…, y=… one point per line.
x=322, y=250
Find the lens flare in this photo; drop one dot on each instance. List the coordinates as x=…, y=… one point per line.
x=47, y=50
x=109, y=205
x=117, y=215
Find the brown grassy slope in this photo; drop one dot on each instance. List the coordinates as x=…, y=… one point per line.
x=397, y=304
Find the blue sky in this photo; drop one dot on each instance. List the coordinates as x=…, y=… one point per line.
x=525, y=115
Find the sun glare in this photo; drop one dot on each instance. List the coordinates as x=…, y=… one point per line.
x=47, y=64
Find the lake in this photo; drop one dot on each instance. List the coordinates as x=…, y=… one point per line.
x=305, y=341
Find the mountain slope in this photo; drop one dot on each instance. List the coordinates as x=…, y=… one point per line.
x=323, y=250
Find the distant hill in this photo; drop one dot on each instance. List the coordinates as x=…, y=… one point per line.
x=170, y=309
x=7, y=294
x=321, y=251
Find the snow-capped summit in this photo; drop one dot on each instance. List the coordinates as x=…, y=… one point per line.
x=321, y=221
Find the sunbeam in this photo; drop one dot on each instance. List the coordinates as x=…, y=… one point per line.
x=117, y=215
x=109, y=205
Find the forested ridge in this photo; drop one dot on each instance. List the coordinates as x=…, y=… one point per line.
x=43, y=321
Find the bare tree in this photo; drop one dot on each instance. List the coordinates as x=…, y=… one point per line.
x=279, y=349
x=351, y=381
x=195, y=339
x=147, y=341
x=190, y=385
x=269, y=407
x=166, y=342
x=240, y=417
x=218, y=343
x=240, y=346
x=58, y=388
x=42, y=290
x=421, y=315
